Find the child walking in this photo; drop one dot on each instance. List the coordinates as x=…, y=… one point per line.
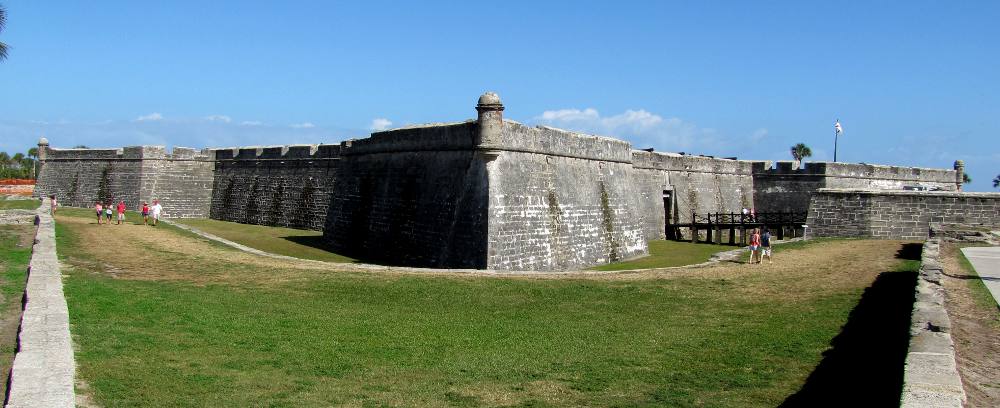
x=765, y=245
x=145, y=213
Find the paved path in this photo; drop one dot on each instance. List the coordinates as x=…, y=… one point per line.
x=42, y=375
x=986, y=260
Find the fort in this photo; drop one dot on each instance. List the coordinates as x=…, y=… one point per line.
x=492, y=193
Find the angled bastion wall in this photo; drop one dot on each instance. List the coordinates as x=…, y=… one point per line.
x=412, y=196
x=561, y=200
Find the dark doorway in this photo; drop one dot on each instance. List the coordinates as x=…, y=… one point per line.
x=668, y=200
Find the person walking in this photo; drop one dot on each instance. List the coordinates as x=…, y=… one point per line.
x=145, y=213
x=754, y=245
x=765, y=245
x=121, y=212
x=53, y=203
x=108, y=212
x=100, y=211
x=157, y=209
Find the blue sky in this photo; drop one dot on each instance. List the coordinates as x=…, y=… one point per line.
x=914, y=83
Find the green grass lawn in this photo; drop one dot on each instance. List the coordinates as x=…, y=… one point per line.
x=15, y=252
x=981, y=294
x=369, y=339
x=664, y=254
x=305, y=244
x=19, y=204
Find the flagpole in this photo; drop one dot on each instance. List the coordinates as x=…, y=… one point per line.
x=835, y=135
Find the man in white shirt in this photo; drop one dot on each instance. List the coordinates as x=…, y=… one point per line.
x=157, y=209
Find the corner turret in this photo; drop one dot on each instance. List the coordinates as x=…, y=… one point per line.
x=490, y=120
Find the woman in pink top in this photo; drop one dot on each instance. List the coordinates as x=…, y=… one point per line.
x=754, y=245
x=100, y=211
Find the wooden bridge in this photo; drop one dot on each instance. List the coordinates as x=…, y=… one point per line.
x=714, y=223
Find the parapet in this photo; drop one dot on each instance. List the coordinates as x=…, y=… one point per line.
x=283, y=152
x=434, y=136
x=699, y=164
x=128, y=153
x=897, y=176
x=558, y=142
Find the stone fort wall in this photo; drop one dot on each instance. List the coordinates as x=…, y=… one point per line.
x=412, y=196
x=181, y=179
x=688, y=184
x=561, y=200
x=897, y=214
x=286, y=186
x=788, y=187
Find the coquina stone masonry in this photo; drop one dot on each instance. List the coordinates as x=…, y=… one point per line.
x=931, y=376
x=286, y=186
x=889, y=214
x=181, y=180
x=484, y=193
x=788, y=186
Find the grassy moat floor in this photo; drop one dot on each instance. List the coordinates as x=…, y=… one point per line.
x=162, y=317
x=308, y=244
x=305, y=244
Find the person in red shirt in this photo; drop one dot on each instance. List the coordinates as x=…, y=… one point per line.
x=145, y=213
x=121, y=212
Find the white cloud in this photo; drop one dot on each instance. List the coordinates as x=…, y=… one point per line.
x=381, y=124
x=251, y=123
x=218, y=118
x=758, y=134
x=641, y=127
x=150, y=117
x=306, y=125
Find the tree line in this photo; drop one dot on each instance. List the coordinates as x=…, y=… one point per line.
x=20, y=165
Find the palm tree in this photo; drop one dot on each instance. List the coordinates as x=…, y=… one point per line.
x=996, y=181
x=3, y=20
x=966, y=178
x=801, y=151
x=4, y=161
x=33, y=154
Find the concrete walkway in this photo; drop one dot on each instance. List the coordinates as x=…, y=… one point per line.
x=43, y=370
x=986, y=260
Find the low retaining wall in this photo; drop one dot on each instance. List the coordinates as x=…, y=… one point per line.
x=897, y=214
x=43, y=369
x=931, y=378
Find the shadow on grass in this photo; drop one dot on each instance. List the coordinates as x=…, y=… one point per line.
x=316, y=241
x=910, y=252
x=864, y=367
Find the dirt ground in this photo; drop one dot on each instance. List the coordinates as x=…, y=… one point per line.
x=976, y=332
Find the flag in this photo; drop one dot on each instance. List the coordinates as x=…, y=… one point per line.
x=838, y=128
